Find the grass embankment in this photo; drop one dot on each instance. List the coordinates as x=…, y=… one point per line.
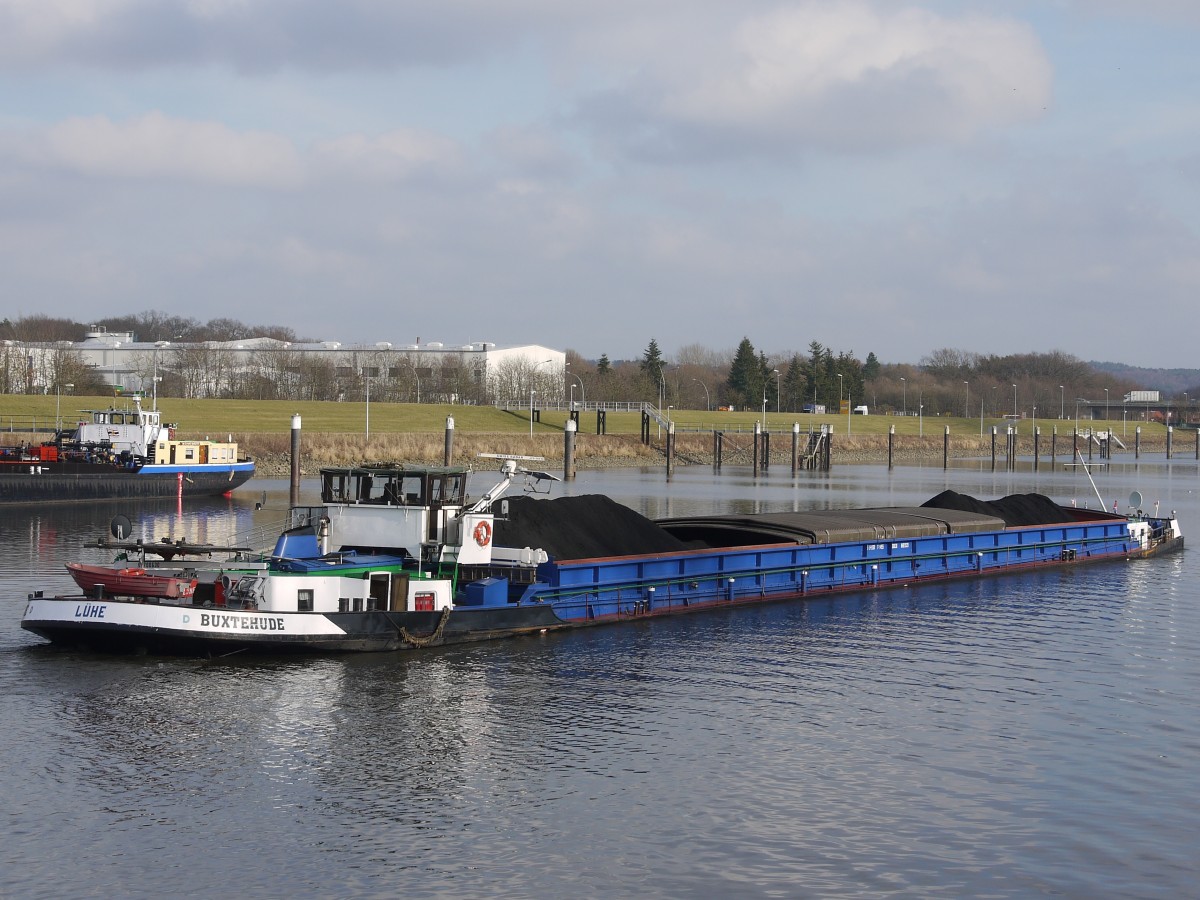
x=335, y=433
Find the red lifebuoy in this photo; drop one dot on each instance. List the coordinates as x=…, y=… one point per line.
x=483, y=534
x=133, y=572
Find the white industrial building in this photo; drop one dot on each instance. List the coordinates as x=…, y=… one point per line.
x=264, y=368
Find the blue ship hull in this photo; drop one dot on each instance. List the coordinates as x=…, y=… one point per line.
x=599, y=590
x=74, y=482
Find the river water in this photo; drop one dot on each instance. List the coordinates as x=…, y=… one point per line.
x=1029, y=735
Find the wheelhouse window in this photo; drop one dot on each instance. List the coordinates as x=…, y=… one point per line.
x=304, y=600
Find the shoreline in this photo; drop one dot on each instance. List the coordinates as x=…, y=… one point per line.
x=625, y=451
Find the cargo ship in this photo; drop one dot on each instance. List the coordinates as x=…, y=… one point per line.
x=120, y=454
x=398, y=558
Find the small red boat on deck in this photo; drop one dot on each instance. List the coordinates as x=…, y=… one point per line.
x=131, y=582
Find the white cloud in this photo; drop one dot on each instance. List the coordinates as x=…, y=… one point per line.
x=394, y=156
x=159, y=147
x=842, y=75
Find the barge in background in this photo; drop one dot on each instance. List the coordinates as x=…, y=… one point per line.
x=120, y=454
x=398, y=558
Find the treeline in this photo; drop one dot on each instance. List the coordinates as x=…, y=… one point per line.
x=946, y=382
x=146, y=326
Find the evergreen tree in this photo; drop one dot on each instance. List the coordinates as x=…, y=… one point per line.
x=871, y=368
x=604, y=366
x=745, y=376
x=652, y=370
x=652, y=362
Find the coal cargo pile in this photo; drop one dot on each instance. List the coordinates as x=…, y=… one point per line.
x=1015, y=509
x=581, y=528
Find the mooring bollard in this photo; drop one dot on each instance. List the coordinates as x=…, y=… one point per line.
x=757, y=435
x=295, y=485
x=670, y=448
x=448, y=454
x=569, y=450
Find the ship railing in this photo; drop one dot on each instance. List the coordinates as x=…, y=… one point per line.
x=263, y=537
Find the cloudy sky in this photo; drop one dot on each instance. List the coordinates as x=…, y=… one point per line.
x=886, y=177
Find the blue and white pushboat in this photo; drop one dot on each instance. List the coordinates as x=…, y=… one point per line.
x=117, y=454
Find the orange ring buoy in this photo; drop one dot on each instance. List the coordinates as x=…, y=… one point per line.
x=133, y=572
x=483, y=534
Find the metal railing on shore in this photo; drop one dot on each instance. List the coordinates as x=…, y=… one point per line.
x=28, y=424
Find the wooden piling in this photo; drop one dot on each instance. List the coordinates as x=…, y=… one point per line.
x=448, y=453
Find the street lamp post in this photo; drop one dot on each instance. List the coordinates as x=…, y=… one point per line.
x=366, y=431
x=839, y=375
x=158, y=345
x=582, y=392
x=413, y=366
x=966, y=399
x=1106, y=407
x=903, y=396
x=707, y=403
x=1062, y=403
x=367, y=424
x=776, y=392
x=1014, y=402
x=532, y=391
x=58, y=405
